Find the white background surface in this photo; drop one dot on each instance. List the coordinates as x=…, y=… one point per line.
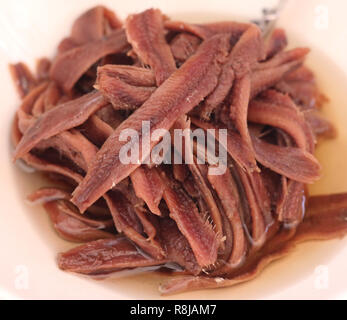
x=32, y=29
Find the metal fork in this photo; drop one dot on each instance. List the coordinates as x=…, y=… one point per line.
x=269, y=17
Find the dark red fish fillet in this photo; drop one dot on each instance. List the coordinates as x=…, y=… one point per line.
x=41, y=164
x=247, y=51
x=228, y=195
x=177, y=247
x=69, y=66
x=326, y=203
x=122, y=95
x=111, y=117
x=326, y=218
x=199, y=233
x=31, y=98
x=57, y=120
x=127, y=222
x=293, y=208
x=52, y=96
x=93, y=24
x=105, y=257
x=288, y=119
x=64, y=206
x=199, y=174
x=208, y=30
x=96, y=130
x=42, y=69
x=149, y=187
x=72, y=229
x=266, y=78
x=305, y=94
x=261, y=194
x=275, y=43
x=294, y=163
x=44, y=195
x=39, y=106
x=73, y=145
x=131, y=75
x=148, y=221
x=183, y=46
x=239, y=107
x=236, y=148
x=220, y=93
x=282, y=58
x=258, y=225
x=180, y=172
x=23, y=78
x=145, y=32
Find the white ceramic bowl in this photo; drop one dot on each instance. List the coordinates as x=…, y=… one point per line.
x=32, y=29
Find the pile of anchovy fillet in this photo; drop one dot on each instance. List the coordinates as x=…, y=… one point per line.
x=211, y=230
